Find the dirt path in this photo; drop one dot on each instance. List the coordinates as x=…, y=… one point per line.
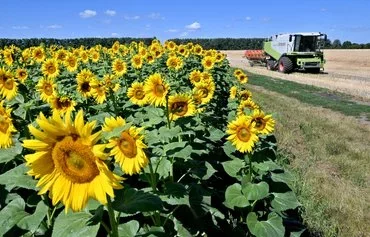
x=346, y=71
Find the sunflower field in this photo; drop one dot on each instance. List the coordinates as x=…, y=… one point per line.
x=137, y=140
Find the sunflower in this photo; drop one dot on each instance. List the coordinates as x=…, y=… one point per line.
x=156, y=90
x=119, y=67
x=264, y=124
x=8, y=57
x=150, y=58
x=85, y=79
x=180, y=105
x=115, y=47
x=143, y=52
x=8, y=86
x=38, y=54
x=61, y=55
x=170, y=45
x=68, y=162
x=84, y=56
x=174, y=63
x=242, y=78
x=207, y=77
x=182, y=50
x=99, y=92
x=246, y=104
x=136, y=93
x=245, y=95
x=237, y=72
x=6, y=127
x=62, y=104
x=47, y=89
x=128, y=148
x=205, y=90
x=219, y=57
x=195, y=77
x=233, y=92
x=137, y=61
x=110, y=82
x=208, y=62
x=242, y=134
x=197, y=49
x=71, y=62
x=95, y=55
x=21, y=74
x=50, y=68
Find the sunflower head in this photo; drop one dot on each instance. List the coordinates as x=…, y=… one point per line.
x=264, y=124
x=21, y=74
x=246, y=107
x=137, y=94
x=233, y=92
x=85, y=79
x=50, y=68
x=156, y=90
x=242, y=134
x=245, y=95
x=205, y=91
x=128, y=147
x=38, y=54
x=68, y=162
x=195, y=77
x=137, y=61
x=6, y=128
x=62, y=104
x=8, y=57
x=197, y=49
x=47, y=89
x=180, y=105
x=8, y=85
x=119, y=67
x=71, y=62
x=242, y=78
x=174, y=63
x=208, y=62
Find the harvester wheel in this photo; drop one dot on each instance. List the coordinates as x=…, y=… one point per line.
x=270, y=65
x=285, y=65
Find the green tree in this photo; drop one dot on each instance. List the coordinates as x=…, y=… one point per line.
x=336, y=44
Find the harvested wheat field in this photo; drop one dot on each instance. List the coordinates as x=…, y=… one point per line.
x=346, y=71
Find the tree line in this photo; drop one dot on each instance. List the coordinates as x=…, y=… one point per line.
x=215, y=43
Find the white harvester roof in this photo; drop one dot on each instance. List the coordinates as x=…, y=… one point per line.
x=303, y=33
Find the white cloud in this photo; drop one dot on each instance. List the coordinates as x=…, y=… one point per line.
x=54, y=26
x=193, y=26
x=248, y=18
x=131, y=17
x=172, y=30
x=110, y=12
x=114, y=34
x=323, y=9
x=155, y=16
x=20, y=27
x=87, y=13
x=183, y=34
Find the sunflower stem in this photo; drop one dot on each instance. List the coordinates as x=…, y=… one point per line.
x=168, y=113
x=112, y=219
x=153, y=181
x=114, y=102
x=250, y=167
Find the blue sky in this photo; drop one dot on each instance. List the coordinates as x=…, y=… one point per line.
x=339, y=19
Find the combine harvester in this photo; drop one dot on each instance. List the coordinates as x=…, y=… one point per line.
x=289, y=52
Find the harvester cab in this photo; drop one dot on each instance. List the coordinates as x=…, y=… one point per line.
x=294, y=51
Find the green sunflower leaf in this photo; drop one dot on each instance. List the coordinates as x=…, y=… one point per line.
x=284, y=201
x=128, y=229
x=74, y=224
x=234, y=197
x=11, y=152
x=130, y=200
x=272, y=227
x=17, y=177
x=12, y=214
